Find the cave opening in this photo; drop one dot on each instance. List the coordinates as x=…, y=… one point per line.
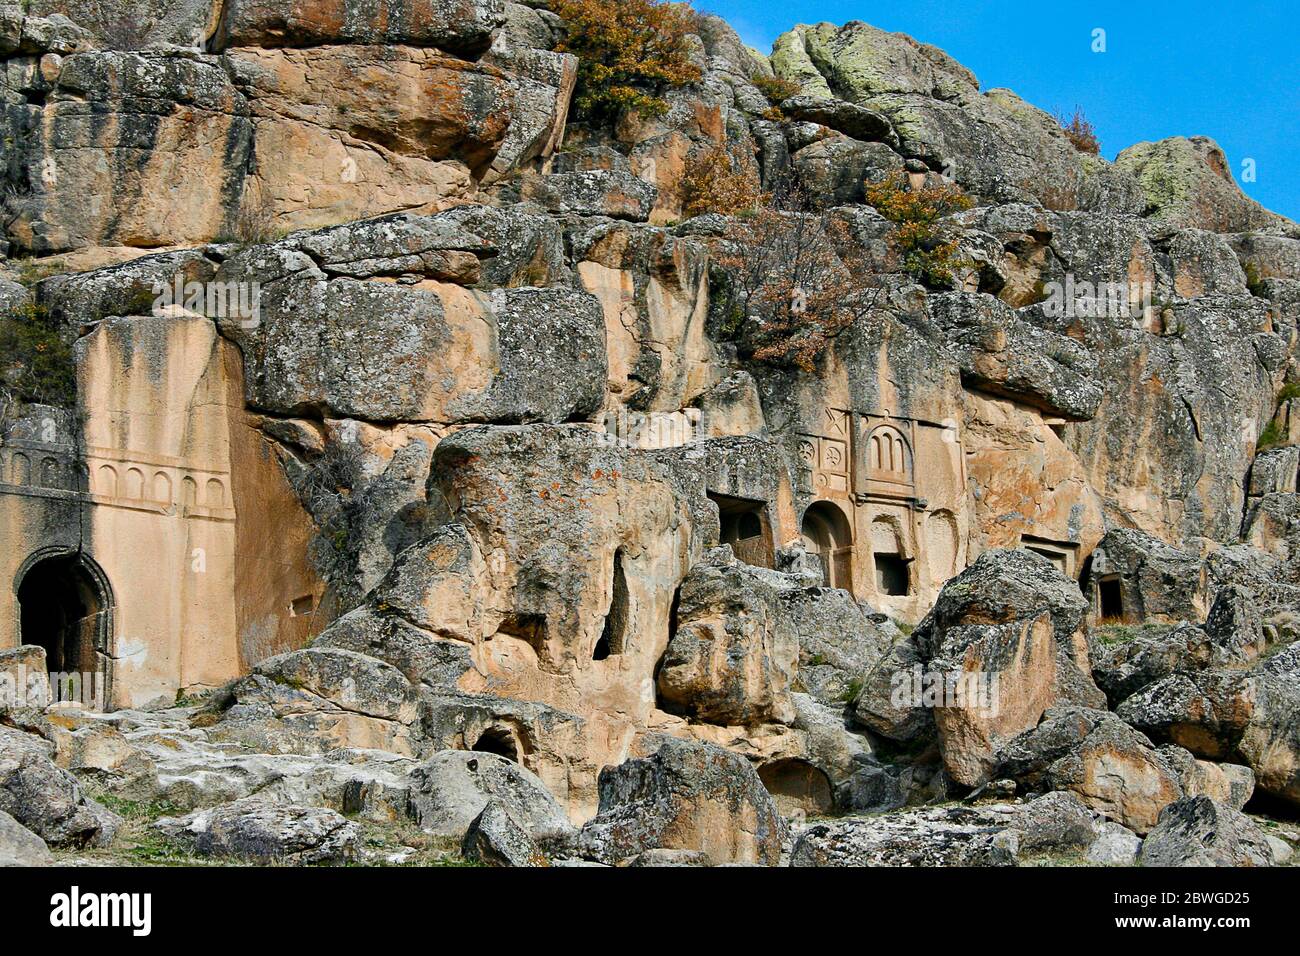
x=499, y=741
x=612, y=636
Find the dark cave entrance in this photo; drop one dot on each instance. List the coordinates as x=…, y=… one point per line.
x=1110, y=599
x=64, y=605
x=498, y=741
x=892, y=575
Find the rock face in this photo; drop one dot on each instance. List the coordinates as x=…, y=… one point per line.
x=388, y=436
x=997, y=144
x=685, y=797
x=1188, y=182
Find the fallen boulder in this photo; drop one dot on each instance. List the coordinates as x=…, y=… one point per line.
x=496, y=838
x=46, y=799
x=1196, y=831
x=258, y=830
x=684, y=796
x=452, y=788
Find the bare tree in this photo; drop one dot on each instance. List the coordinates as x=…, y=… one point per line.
x=797, y=278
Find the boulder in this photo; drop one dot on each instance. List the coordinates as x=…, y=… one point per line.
x=47, y=799
x=840, y=642
x=452, y=788
x=1155, y=580
x=255, y=829
x=24, y=681
x=19, y=846
x=320, y=698
x=1196, y=831
x=1227, y=784
x=1002, y=642
x=988, y=835
x=1108, y=765
x=1115, y=846
x=1232, y=636
x=730, y=660
x=1251, y=716
x=684, y=796
x=853, y=120
x=496, y=838
x=884, y=706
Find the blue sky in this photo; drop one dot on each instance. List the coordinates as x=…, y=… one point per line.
x=1227, y=70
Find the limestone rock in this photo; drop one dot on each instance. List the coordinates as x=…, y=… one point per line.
x=730, y=661
x=1196, y=831
x=135, y=24
x=461, y=26
x=1010, y=620
x=431, y=352
x=453, y=788
x=990, y=835
x=323, y=698
x=994, y=143
x=1115, y=846
x=1188, y=182
x=1230, y=714
x=495, y=838
x=46, y=799
x=594, y=192
x=189, y=111
x=19, y=846
x=684, y=796
x=1000, y=353
x=270, y=833
x=1227, y=784
x=1092, y=753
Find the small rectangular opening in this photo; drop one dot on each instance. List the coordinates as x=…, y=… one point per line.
x=1110, y=599
x=892, y=576
x=743, y=525
x=302, y=606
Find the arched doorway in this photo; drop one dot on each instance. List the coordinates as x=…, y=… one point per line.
x=826, y=534
x=65, y=606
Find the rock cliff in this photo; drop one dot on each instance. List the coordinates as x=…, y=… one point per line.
x=427, y=415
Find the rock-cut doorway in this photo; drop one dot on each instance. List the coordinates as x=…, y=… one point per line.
x=64, y=606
